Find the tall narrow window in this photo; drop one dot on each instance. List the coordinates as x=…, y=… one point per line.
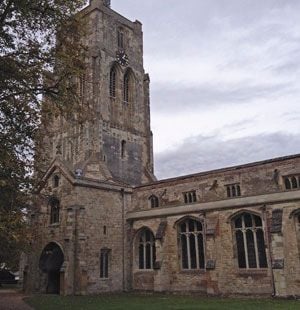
x=56, y=181
x=147, y=249
x=120, y=39
x=250, y=242
x=128, y=87
x=82, y=81
x=123, y=148
x=54, y=210
x=191, y=244
x=112, y=82
x=104, y=262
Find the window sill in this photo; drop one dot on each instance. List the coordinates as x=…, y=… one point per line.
x=53, y=225
x=144, y=271
x=254, y=271
x=192, y=271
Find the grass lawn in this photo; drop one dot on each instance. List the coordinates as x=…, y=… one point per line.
x=155, y=302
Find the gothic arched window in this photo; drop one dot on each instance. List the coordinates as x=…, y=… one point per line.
x=191, y=240
x=54, y=210
x=154, y=203
x=112, y=82
x=294, y=182
x=147, y=251
x=250, y=241
x=120, y=35
x=128, y=87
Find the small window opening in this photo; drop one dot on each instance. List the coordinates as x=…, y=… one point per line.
x=120, y=39
x=104, y=230
x=154, y=203
x=292, y=182
x=190, y=197
x=233, y=190
x=104, y=261
x=56, y=181
x=123, y=148
x=54, y=210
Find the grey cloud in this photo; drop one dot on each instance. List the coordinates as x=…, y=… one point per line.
x=200, y=153
x=171, y=99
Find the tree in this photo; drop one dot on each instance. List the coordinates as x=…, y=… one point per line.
x=40, y=53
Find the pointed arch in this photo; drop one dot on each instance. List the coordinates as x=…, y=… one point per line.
x=154, y=202
x=50, y=263
x=249, y=237
x=128, y=86
x=54, y=205
x=145, y=248
x=113, y=80
x=191, y=243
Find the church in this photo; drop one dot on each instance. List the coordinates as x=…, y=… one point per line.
x=103, y=223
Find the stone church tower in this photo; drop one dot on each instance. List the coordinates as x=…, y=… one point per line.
x=115, y=143
x=91, y=166
x=102, y=223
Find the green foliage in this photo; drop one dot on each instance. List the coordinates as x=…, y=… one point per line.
x=40, y=53
x=156, y=302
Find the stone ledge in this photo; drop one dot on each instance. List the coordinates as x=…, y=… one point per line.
x=282, y=197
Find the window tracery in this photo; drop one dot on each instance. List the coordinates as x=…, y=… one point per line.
x=191, y=238
x=147, y=250
x=250, y=243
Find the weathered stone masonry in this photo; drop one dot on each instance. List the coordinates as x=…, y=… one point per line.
x=101, y=222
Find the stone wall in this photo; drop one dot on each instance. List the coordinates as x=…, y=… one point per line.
x=261, y=194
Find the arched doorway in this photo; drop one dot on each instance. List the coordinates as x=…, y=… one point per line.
x=51, y=261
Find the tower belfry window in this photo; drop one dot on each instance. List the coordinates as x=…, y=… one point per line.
x=120, y=39
x=112, y=82
x=126, y=88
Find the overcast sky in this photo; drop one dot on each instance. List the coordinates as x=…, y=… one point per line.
x=225, y=80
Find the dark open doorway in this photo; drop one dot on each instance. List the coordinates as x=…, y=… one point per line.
x=51, y=261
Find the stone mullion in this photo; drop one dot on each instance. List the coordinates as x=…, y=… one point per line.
x=245, y=242
x=144, y=253
x=256, y=248
x=255, y=242
x=188, y=245
x=197, y=250
x=151, y=253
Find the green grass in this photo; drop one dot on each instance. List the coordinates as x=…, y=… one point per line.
x=155, y=302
